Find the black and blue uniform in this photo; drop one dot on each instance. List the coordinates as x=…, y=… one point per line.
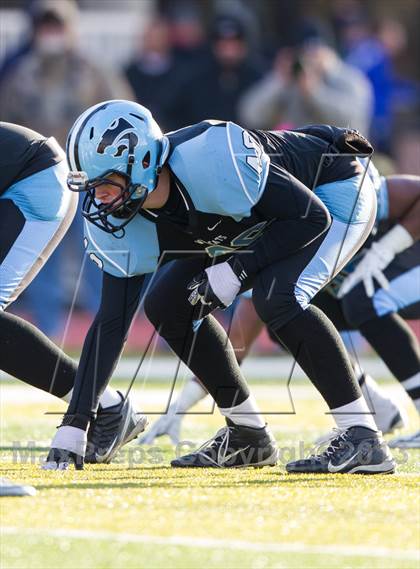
x=36, y=207
x=288, y=203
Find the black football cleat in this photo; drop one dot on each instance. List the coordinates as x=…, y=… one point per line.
x=113, y=427
x=234, y=446
x=357, y=450
x=61, y=459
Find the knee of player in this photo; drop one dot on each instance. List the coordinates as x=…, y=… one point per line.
x=273, y=305
x=325, y=219
x=319, y=215
x=164, y=317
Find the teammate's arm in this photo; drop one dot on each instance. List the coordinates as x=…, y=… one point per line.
x=403, y=194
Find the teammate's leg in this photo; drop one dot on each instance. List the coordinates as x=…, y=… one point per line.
x=44, y=365
x=27, y=239
x=397, y=345
x=383, y=327
x=28, y=236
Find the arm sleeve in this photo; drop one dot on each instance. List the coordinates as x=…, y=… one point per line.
x=297, y=217
x=104, y=342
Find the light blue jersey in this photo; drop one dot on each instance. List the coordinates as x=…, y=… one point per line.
x=48, y=208
x=137, y=253
x=223, y=171
x=223, y=168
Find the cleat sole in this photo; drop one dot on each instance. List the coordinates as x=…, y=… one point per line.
x=272, y=460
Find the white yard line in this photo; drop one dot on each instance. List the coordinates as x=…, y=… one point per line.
x=210, y=543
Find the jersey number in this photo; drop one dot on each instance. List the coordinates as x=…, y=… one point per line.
x=253, y=162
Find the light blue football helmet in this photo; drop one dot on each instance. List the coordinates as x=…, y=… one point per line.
x=115, y=137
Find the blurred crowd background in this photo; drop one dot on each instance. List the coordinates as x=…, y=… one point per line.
x=265, y=64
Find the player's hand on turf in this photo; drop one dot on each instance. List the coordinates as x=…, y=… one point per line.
x=218, y=285
x=369, y=269
x=169, y=424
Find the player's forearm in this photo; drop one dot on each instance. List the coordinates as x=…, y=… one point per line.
x=101, y=351
x=104, y=343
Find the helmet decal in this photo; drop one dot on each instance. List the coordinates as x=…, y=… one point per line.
x=119, y=136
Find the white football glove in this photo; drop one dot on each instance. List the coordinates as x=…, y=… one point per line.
x=375, y=260
x=169, y=424
x=218, y=285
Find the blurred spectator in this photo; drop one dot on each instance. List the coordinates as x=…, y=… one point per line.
x=214, y=89
x=10, y=61
x=52, y=83
x=47, y=88
x=187, y=34
x=153, y=72
x=373, y=53
x=309, y=85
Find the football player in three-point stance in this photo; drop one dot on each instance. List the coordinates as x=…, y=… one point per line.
x=233, y=209
x=376, y=310
x=36, y=209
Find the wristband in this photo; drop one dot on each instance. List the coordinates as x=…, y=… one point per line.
x=396, y=240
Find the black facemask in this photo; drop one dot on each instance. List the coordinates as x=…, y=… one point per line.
x=124, y=206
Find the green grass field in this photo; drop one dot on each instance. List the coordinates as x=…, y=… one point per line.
x=138, y=512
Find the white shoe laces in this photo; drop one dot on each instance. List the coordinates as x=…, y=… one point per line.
x=222, y=450
x=330, y=436
x=333, y=435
